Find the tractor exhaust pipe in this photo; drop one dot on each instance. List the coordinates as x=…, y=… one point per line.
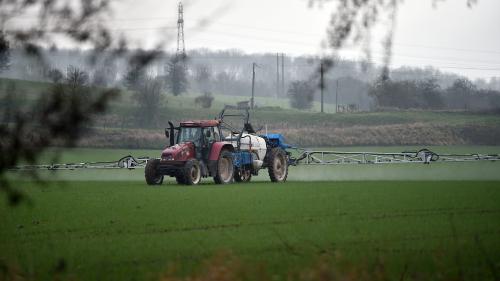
x=172, y=134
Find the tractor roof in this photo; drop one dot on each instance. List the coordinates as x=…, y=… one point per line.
x=200, y=123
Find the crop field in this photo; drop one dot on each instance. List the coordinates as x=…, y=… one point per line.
x=357, y=225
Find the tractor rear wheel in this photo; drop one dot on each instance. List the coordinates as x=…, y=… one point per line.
x=277, y=165
x=225, y=168
x=243, y=175
x=151, y=174
x=192, y=172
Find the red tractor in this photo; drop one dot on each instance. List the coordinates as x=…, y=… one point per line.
x=199, y=149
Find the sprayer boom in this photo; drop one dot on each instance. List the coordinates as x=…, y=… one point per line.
x=425, y=156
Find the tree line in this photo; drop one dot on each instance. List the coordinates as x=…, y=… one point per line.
x=227, y=72
x=428, y=94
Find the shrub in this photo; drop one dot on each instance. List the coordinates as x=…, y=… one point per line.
x=301, y=94
x=205, y=100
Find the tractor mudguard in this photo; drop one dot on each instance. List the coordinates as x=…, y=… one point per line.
x=217, y=147
x=214, y=155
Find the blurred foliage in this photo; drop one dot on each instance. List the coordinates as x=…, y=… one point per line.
x=4, y=52
x=60, y=115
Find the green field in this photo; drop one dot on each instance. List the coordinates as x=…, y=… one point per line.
x=427, y=222
x=127, y=231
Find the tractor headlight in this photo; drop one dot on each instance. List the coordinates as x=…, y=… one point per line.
x=167, y=157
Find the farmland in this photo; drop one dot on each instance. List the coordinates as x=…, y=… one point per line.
x=276, y=141
x=97, y=226
x=355, y=222
x=126, y=231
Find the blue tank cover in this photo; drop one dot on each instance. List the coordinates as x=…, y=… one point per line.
x=276, y=140
x=242, y=158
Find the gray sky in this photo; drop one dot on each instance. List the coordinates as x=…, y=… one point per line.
x=449, y=36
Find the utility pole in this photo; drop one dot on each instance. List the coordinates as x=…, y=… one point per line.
x=322, y=85
x=252, y=103
x=337, y=97
x=282, y=74
x=277, y=74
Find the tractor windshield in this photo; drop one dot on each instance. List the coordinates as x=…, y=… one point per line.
x=190, y=134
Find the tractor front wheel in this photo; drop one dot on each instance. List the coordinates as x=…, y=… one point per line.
x=151, y=174
x=277, y=165
x=192, y=172
x=225, y=168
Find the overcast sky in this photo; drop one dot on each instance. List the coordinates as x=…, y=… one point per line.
x=449, y=36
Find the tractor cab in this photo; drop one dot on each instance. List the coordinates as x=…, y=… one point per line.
x=200, y=134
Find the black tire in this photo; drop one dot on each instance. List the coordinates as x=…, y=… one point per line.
x=150, y=173
x=192, y=172
x=180, y=179
x=225, y=168
x=277, y=165
x=242, y=175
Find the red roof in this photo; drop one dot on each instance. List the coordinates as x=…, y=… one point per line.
x=200, y=123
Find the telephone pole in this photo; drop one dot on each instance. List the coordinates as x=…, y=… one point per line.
x=252, y=101
x=283, y=74
x=322, y=85
x=277, y=74
x=337, y=97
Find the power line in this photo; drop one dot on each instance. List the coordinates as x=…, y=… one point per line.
x=274, y=30
x=460, y=67
x=315, y=65
x=318, y=34
x=273, y=40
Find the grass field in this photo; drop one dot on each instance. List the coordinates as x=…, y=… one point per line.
x=127, y=231
x=98, y=225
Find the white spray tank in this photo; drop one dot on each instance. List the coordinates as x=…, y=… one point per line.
x=252, y=143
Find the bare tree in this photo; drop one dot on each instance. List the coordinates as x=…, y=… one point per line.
x=205, y=100
x=134, y=77
x=176, y=77
x=460, y=93
x=301, y=94
x=76, y=78
x=55, y=75
x=203, y=74
x=149, y=98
